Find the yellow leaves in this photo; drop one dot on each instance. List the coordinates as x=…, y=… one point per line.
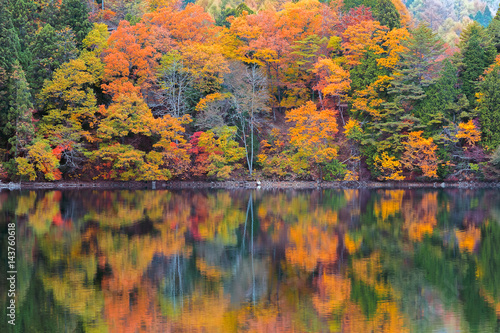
x=223, y=152
x=420, y=152
x=388, y=166
x=368, y=100
x=469, y=132
x=206, y=63
x=352, y=129
x=210, y=98
x=392, y=47
x=40, y=158
x=97, y=39
x=25, y=169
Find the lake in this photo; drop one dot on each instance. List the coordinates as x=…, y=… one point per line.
x=253, y=261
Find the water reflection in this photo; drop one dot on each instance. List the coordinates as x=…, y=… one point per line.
x=227, y=261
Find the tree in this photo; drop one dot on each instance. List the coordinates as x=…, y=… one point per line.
x=176, y=83
x=386, y=13
x=223, y=152
x=312, y=137
x=249, y=96
x=488, y=107
x=494, y=30
x=333, y=81
x=9, y=40
x=418, y=67
x=50, y=49
x=75, y=14
x=19, y=126
x=25, y=18
x=420, y=153
x=476, y=54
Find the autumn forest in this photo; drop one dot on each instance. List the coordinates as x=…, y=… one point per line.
x=313, y=90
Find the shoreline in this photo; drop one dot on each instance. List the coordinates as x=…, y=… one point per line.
x=236, y=184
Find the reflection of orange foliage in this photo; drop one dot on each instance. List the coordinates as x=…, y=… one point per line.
x=205, y=313
x=352, y=245
x=386, y=319
x=311, y=245
x=420, y=219
x=131, y=311
x=333, y=292
x=467, y=239
x=354, y=321
x=389, y=204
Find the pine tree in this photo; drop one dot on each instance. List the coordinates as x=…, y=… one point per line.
x=367, y=72
x=418, y=67
x=9, y=53
x=386, y=13
x=442, y=101
x=24, y=19
x=74, y=13
x=19, y=127
x=488, y=106
x=50, y=49
x=476, y=54
x=494, y=30
x=9, y=41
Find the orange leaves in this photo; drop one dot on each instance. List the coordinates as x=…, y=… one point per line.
x=129, y=57
x=190, y=25
x=469, y=132
x=333, y=79
x=360, y=38
x=312, y=135
x=420, y=152
x=310, y=246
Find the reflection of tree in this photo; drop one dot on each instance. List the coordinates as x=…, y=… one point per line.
x=332, y=260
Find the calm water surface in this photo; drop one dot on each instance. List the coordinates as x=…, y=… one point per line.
x=238, y=261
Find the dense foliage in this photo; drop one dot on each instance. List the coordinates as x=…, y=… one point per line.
x=160, y=90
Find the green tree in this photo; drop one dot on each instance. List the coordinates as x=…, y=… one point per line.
x=50, y=49
x=24, y=14
x=443, y=101
x=386, y=13
x=74, y=13
x=494, y=30
x=476, y=54
x=228, y=11
x=418, y=66
x=488, y=106
x=19, y=127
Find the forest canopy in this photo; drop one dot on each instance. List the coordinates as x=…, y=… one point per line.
x=163, y=89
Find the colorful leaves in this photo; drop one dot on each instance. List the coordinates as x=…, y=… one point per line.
x=469, y=132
